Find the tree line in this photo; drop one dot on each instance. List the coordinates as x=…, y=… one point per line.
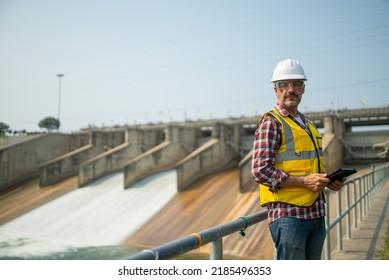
x=48, y=123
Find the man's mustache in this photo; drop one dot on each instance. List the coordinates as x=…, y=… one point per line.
x=291, y=95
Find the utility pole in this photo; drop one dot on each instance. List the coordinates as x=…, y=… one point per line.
x=59, y=97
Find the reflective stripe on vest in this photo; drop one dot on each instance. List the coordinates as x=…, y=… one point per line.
x=290, y=153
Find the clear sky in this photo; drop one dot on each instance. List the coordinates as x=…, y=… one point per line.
x=131, y=62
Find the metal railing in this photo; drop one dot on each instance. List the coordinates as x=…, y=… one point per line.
x=212, y=235
x=352, y=204
x=363, y=190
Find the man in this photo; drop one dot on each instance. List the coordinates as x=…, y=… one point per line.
x=288, y=164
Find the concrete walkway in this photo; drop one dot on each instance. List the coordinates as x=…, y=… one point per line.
x=368, y=239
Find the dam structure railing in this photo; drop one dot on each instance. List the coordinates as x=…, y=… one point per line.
x=352, y=203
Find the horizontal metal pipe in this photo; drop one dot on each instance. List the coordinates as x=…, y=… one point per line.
x=191, y=242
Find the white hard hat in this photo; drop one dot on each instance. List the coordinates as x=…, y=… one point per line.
x=288, y=69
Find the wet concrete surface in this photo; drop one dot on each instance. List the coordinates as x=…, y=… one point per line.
x=100, y=214
x=149, y=213
x=152, y=213
x=213, y=200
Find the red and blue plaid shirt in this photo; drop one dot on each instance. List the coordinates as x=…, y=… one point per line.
x=266, y=143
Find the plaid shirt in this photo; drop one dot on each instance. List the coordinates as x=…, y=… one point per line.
x=266, y=143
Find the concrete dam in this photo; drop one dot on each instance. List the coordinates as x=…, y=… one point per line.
x=148, y=185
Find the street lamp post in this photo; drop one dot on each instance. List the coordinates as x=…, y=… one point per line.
x=59, y=97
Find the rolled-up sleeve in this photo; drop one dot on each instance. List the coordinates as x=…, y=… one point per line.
x=267, y=141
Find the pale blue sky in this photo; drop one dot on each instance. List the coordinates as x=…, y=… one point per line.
x=129, y=62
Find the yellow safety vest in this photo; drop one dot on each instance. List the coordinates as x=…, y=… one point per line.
x=300, y=154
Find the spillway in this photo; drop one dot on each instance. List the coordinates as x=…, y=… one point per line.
x=101, y=214
x=213, y=200
x=105, y=221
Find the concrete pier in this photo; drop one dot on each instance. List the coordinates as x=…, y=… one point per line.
x=67, y=165
x=137, y=141
x=20, y=162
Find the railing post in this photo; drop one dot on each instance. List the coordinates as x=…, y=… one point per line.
x=364, y=195
x=339, y=224
x=327, y=241
x=370, y=190
x=355, y=205
x=348, y=224
x=216, y=250
x=360, y=200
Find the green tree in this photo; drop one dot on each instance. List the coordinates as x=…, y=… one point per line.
x=49, y=123
x=3, y=128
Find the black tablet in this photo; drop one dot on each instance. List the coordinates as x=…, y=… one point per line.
x=341, y=173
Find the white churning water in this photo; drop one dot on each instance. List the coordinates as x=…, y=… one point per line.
x=102, y=213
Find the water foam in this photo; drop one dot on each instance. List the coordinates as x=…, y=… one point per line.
x=100, y=214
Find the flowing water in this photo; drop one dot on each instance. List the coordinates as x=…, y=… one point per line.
x=88, y=223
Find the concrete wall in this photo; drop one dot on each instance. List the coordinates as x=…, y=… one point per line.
x=245, y=177
x=21, y=161
x=103, y=164
x=67, y=164
x=179, y=142
x=205, y=160
x=366, y=146
x=332, y=143
x=214, y=155
x=137, y=141
x=342, y=146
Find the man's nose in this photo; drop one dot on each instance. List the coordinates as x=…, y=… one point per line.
x=290, y=88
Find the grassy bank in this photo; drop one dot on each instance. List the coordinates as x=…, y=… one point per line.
x=384, y=253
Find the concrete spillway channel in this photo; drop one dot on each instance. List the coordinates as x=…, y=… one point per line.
x=213, y=200
x=100, y=214
x=148, y=214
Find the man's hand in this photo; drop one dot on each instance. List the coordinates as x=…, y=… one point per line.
x=316, y=182
x=337, y=185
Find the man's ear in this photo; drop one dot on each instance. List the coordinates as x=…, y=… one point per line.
x=275, y=91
